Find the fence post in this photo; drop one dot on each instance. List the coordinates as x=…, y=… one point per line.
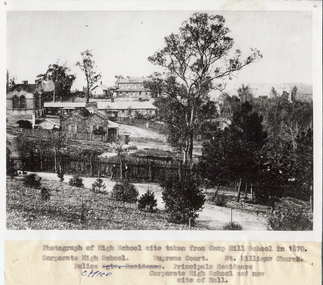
x=180, y=170
x=150, y=171
x=231, y=215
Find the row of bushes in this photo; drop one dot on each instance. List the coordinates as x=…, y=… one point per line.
x=183, y=198
x=122, y=191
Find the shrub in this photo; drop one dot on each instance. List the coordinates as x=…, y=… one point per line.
x=32, y=180
x=220, y=200
x=76, y=181
x=10, y=165
x=60, y=172
x=290, y=218
x=98, y=185
x=60, y=175
x=232, y=226
x=45, y=194
x=147, y=201
x=125, y=191
x=24, y=124
x=183, y=199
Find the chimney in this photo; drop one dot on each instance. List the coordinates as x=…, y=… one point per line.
x=25, y=82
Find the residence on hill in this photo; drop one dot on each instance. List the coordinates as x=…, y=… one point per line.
x=99, y=90
x=24, y=102
x=75, y=123
x=132, y=87
x=126, y=109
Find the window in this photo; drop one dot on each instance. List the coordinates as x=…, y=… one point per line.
x=15, y=102
x=23, y=102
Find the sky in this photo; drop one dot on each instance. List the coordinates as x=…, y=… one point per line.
x=122, y=41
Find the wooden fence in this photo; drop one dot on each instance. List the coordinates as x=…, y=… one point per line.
x=92, y=168
x=43, y=133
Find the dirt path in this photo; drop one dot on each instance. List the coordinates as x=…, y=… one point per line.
x=140, y=132
x=212, y=217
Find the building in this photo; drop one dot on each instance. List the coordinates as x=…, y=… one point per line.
x=62, y=108
x=127, y=109
x=132, y=87
x=99, y=90
x=75, y=123
x=23, y=102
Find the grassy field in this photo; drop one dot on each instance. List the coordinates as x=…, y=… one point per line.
x=77, y=208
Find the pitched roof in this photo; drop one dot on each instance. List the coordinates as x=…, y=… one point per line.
x=65, y=105
x=134, y=79
x=132, y=89
x=103, y=116
x=103, y=87
x=27, y=87
x=135, y=105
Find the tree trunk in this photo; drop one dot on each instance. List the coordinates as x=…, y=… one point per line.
x=239, y=190
x=190, y=146
x=216, y=191
x=121, y=168
x=180, y=171
x=185, y=156
x=55, y=160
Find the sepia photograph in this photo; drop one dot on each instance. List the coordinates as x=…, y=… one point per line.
x=159, y=120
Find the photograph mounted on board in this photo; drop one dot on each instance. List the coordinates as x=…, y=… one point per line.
x=159, y=120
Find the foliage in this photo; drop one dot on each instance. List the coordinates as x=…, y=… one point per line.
x=155, y=83
x=87, y=65
x=24, y=124
x=32, y=180
x=230, y=105
x=294, y=94
x=60, y=171
x=84, y=112
x=288, y=154
x=76, y=181
x=10, y=82
x=183, y=198
x=275, y=169
x=98, y=185
x=10, y=165
x=233, y=153
x=195, y=59
x=217, y=156
x=245, y=94
x=273, y=92
x=147, y=201
x=290, y=218
x=45, y=194
x=303, y=163
x=232, y=226
x=220, y=200
x=63, y=81
x=125, y=191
